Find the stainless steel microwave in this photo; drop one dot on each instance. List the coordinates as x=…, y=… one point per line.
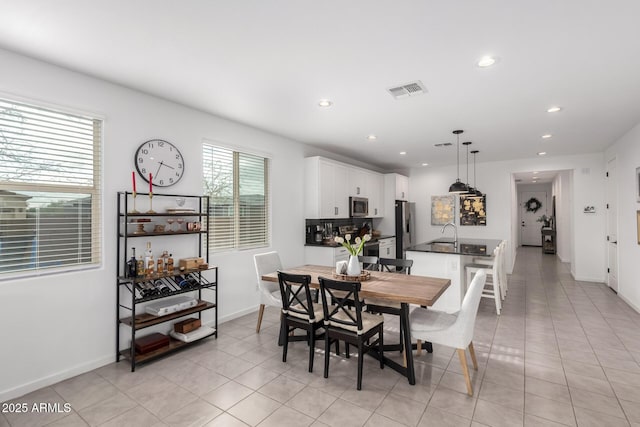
x=358, y=207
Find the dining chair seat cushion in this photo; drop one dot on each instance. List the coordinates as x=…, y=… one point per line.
x=429, y=320
x=369, y=321
x=318, y=313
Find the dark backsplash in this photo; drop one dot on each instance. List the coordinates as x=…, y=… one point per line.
x=356, y=224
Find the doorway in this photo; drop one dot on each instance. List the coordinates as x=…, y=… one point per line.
x=533, y=204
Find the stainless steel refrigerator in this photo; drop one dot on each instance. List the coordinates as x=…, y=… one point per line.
x=405, y=224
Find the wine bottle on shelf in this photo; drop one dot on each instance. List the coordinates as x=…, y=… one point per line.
x=140, y=270
x=161, y=287
x=132, y=265
x=165, y=262
x=149, y=263
x=170, y=267
x=160, y=266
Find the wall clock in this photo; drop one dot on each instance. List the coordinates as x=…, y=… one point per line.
x=161, y=159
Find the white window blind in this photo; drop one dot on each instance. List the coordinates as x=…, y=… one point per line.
x=49, y=189
x=237, y=184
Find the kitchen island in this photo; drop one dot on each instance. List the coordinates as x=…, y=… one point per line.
x=446, y=258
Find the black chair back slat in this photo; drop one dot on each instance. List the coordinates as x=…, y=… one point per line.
x=394, y=265
x=296, y=295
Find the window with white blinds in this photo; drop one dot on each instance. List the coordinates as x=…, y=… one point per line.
x=49, y=190
x=237, y=184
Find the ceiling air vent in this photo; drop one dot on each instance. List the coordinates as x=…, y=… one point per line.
x=444, y=144
x=407, y=90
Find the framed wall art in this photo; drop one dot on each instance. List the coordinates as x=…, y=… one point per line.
x=442, y=209
x=473, y=210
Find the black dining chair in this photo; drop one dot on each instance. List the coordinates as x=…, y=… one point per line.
x=299, y=311
x=353, y=326
x=369, y=262
x=395, y=265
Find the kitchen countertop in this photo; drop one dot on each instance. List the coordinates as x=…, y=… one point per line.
x=472, y=247
x=335, y=245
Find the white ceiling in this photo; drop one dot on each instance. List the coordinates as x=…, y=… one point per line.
x=268, y=63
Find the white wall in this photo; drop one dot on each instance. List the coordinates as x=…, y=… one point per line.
x=626, y=151
x=494, y=179
x=64, y=324
x=562, y=191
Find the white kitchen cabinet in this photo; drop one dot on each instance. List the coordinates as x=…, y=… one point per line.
x=387, y=247
x=376, y=192
x=358, y=183
x=325, y=255
x=402, y=187
x=326, y=195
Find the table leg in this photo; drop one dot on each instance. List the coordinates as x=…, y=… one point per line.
x=408, y=348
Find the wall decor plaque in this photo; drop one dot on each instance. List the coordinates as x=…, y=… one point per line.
x=442, y=209
x=473, y=210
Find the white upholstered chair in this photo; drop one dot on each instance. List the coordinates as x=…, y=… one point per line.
x=453, y=330
x=266, y=263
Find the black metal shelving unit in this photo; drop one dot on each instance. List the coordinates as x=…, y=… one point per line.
x=193, y=280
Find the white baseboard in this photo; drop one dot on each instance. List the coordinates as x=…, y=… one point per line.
x=589, y=279
x=632, y=305
x=237, y=314
x=23, y=389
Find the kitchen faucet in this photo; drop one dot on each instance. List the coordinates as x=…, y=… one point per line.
x=455, y=231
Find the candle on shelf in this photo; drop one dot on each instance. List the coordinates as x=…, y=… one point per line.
x=150, y=183
x=133, y=179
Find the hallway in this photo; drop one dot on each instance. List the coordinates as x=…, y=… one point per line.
x=561, y=353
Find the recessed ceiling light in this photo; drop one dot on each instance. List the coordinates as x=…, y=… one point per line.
x=554, y=109
x=535, y=172
x=372, y=137
x=534, y=181
x=546, y=136
x=542, y=153
x=325, y=103
x=486, y=61
x=402, y=153
x=425, y=164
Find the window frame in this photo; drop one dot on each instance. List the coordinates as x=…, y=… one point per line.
x=267, y=157
x=96, y=191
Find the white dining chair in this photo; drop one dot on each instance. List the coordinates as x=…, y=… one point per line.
x=492, y=288
x=265, y=263
x=453, y=330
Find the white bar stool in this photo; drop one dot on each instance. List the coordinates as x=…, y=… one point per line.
x=492, y=286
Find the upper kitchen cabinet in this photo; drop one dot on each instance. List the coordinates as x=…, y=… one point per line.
x=358, y=182
x=376, y=195
x=326, y=195
x=401, y=186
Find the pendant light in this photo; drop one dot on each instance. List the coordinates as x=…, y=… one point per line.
x=470, y=191
x=458, y=187
x=477, y=194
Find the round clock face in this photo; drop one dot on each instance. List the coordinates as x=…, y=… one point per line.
x=162, y=160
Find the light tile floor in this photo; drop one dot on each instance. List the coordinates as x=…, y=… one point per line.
x=562, y=353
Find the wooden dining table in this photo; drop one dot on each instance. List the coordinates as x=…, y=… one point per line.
x=391, y=287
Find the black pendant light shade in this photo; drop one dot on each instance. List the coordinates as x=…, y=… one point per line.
x=458, y=187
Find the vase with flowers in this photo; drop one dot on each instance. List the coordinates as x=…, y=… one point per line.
x=353, y=267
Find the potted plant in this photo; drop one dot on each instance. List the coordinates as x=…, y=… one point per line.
x=545, y=220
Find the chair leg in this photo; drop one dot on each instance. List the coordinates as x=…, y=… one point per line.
x=419, y=349
x=327, y=351
x=346, y=345
x=285, y=345
x=312, y=344
x=472, y=352
x=260, y=314
x=465, y=370
x=381, y=344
